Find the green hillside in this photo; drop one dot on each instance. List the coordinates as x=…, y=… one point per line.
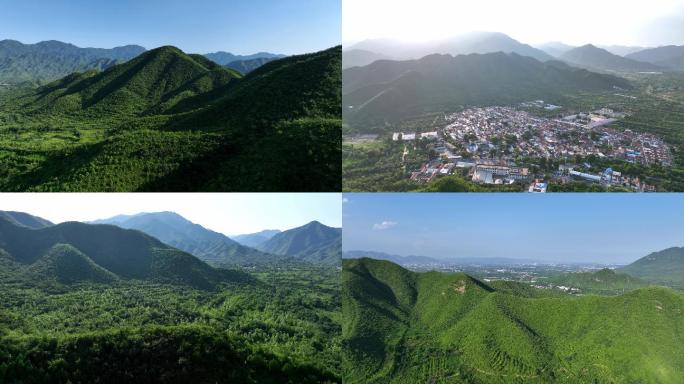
x=313, y=242
x=283, y=330
x=68, y=265
x=151, y=83
x=75, y=251
x=605, y=281
x=664, y=267
x=406, y=327
x=389, y=91
x=169, y=121
x=209, y=246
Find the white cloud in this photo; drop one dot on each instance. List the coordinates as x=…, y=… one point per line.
x=384, y=225
x=345, y=200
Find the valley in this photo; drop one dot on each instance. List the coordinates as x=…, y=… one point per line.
x=515, y=110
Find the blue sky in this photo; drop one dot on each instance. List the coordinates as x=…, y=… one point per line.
x=228, y=213
x=603, y=228
x=240, y=27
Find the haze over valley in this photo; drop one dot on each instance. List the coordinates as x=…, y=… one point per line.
x=598, y=111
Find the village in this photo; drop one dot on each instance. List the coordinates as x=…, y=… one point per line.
x=485, y=142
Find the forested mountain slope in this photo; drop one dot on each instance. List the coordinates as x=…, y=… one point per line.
x=400, y=327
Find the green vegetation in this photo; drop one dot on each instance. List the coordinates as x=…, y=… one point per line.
x=406, y=327
x=208, y=246
x=97, y=303
x=665, y=267
x=655, y=104
x=390, y=91
x=81, y=252
x=169, y=121
x=313, y=242
x=49, y=60
x=603, y=282
x=283, y=330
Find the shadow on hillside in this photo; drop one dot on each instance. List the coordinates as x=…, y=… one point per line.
x=54, y=170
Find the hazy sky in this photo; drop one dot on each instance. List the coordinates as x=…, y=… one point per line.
x=575, y=22
x=237, y=26
x=602, y=228
x=228, y=213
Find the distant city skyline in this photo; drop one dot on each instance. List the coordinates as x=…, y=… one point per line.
x=578, y=22
x=227, y=213
x=240, y=27
x=555, y=228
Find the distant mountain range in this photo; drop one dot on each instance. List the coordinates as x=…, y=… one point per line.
x=402, y=326
x=313, y=242
x=49, y=60
x=254, y=239
x=475, y=42
x=178, y=232
x=424, y=260
x=76, y=252
x=225, y=58
x=670, y=56
x=360, y=58
x=598, y=59
x=388, y=91
x=46, y=61
x=247, y=66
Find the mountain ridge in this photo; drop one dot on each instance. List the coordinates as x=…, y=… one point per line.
x=594, y=58
x=402, y=326
x=207, y=245
x=388, y=91
x=312, y=242
x=125, y=253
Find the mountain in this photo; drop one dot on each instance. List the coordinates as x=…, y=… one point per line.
x=621, y=50
x=313, y=242
x=474, y=42
x=24, y=219
x=71, y=252
x=388, y=91
x=604, y=281
x=406, y=327
x=49, y=60
x=68, y=265
x=151, y=83
x=670, y=56
x=225, y=58
x=169, y=121
x=254, y=239
x=178, y=232
x=401, y=260
x=555, y=48
x=598, y=59
x=360, y=58
x=664, y=267
x=247, y=66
